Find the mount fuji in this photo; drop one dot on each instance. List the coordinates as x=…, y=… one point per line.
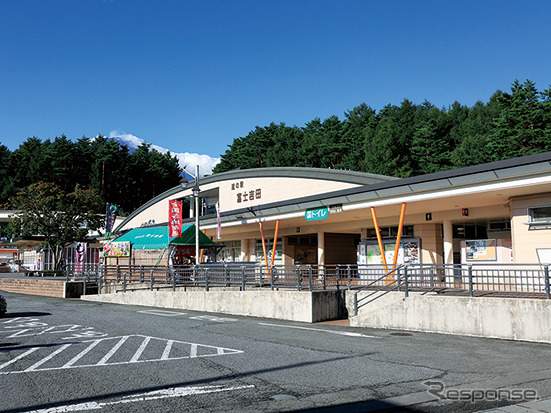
x=188, y=160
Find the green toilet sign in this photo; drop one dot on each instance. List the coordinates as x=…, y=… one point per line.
x=316, y=214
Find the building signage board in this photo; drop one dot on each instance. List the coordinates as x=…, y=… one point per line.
x=117, y=249
x=316, y=214
x=481, y=250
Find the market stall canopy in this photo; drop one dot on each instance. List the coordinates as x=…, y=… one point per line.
x=188, y=237
x=153, y=238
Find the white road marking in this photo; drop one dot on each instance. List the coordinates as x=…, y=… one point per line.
x=341, y=333
x=45, y=359
x=212, y=318
x=25, y=327
x=193, y=351
x=17, y=319
x=140, y=397
x=81, y=354
x=166, y=352
x=25, y=354
x=162, y=312
x=140, y=350
x=106, y=358
x=134, y=348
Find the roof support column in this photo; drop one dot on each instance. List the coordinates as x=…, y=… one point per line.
x=244, y=250
x=321, y=248
x=448, y=242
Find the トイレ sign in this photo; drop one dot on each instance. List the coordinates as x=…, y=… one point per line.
x=316, y=214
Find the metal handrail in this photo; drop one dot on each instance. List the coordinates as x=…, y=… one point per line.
x=470, y=278
x=384, y=277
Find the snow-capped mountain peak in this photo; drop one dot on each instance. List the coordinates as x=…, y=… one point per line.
x=188, y=160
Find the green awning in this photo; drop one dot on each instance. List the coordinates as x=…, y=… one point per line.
x=188, y=237
x=154, y=238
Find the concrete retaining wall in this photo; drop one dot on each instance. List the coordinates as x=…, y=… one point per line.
x=285, y=305
x=506, y=318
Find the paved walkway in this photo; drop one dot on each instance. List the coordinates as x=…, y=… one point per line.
x=527, y=407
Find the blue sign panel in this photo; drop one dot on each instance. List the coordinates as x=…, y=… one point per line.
x=316, y=214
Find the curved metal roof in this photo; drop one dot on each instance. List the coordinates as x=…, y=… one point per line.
x=335, y=175
x=371, y=186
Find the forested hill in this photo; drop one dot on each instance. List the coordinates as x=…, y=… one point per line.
x=406, y=140
x=401, y=141
x=124, y=178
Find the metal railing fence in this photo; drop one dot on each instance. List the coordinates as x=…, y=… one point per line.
x=468, y=279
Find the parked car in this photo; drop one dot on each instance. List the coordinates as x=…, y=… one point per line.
x=3, y=305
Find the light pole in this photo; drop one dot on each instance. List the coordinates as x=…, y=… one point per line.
x=196, y=196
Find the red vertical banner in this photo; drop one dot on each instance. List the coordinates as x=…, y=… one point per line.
x=174, y=218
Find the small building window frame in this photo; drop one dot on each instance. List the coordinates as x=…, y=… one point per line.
x=539, y=216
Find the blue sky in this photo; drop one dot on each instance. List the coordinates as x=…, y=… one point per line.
x=191, y=76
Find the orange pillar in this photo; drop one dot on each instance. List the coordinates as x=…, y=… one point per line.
x=381, y=249
x=275, y=243
x=264, y=246
x=399, y=237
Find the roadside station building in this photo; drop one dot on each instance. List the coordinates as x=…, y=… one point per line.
x=497, y=213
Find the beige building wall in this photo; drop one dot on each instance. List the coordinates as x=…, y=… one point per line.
x=431, y=242
x=243, y=193
x=157, y=213
x=526, y=238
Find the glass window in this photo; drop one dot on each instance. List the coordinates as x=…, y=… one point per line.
x=390, y=232
x=259, y=252
x=540, y=214
x=230, y=253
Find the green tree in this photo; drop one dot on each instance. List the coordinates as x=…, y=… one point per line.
x=323, y=146
x=249, y=151
x=46, y=210
x=284, y=150
x=471, y=146
x=149, y=174
x=57, y=159
x=358, y=126
x=387, y=152
x=522, y=127
x=6, y=184
x=432, y=140
x=109, y=170
x=27, y=163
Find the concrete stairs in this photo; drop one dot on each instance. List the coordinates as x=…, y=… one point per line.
x=33, y=286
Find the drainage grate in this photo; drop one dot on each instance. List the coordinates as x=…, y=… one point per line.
x=401, y=334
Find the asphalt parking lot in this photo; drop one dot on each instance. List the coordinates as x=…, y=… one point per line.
x=69, y=355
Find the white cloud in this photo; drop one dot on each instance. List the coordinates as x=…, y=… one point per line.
x=189, y=160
